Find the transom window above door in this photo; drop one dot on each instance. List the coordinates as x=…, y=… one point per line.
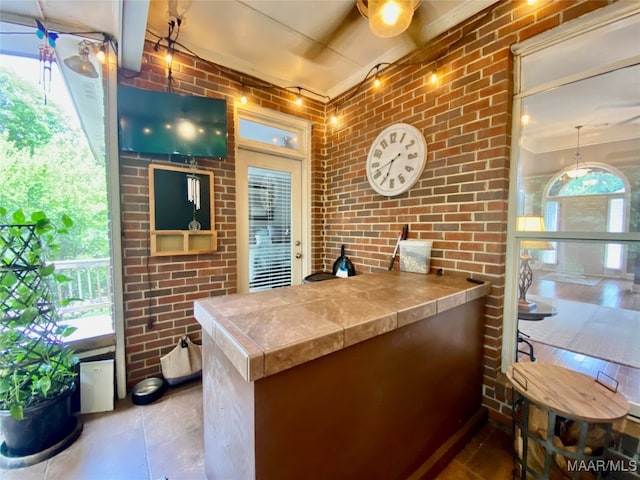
x=285, y=135
x=259, y=132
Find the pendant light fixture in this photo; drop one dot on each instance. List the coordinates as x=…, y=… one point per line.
x=389, y=18
x=580, y=169
x=80, y=63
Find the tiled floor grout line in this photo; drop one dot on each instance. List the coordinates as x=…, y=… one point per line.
x=146, y=443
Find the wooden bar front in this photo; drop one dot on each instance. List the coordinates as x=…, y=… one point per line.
x=385, y=408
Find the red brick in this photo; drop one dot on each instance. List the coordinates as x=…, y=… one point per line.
x=460, y=202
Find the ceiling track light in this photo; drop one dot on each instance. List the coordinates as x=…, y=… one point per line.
x=299, y=97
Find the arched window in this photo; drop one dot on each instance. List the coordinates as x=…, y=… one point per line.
x=609, y=215
x=598, y=180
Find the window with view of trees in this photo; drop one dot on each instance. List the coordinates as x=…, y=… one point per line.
x=46, y=164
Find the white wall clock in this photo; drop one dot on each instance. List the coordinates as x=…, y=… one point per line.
x=396, y=159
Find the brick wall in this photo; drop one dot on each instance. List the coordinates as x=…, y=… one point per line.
x=159, y=291
x=460, y=203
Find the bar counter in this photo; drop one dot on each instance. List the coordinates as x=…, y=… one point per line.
x=373, y=376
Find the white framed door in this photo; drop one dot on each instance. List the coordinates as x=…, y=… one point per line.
x=270, y=234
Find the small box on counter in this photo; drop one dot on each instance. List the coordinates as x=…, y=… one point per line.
x=415, y=256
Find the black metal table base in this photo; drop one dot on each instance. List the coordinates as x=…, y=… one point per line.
x=521, y=339
x=539, y=449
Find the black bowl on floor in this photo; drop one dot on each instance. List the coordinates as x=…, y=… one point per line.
x=147, y=391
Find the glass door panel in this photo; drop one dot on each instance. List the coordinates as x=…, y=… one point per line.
x=269, y=229
x=269, y=221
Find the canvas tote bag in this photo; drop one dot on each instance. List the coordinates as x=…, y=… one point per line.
x=183, y=363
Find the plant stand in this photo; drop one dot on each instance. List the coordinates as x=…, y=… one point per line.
x=564, y=423
x=32, y=346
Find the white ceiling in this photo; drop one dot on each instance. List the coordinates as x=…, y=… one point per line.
x=281, y=41
x=59, y=15
x=326, y=47
x=286, y=42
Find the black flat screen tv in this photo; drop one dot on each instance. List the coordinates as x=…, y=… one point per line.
x=159, y=123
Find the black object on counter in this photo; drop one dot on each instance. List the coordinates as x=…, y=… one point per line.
x=473, y=280
x=319, y=277
x=343, y=267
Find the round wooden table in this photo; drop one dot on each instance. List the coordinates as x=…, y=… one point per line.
x=566, y=418
x=539, y=312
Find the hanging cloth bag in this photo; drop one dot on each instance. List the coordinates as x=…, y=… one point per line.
x=183, y=363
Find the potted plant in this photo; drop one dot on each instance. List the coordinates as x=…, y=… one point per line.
x=37, y=370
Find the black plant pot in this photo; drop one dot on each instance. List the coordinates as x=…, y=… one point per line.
x=43, y=426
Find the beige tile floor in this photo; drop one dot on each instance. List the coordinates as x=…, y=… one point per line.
x=149, y=442
x=164, y=440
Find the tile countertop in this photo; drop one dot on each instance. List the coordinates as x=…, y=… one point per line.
x=266, y=332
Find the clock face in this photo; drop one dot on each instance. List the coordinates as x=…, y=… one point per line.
x=396, y=159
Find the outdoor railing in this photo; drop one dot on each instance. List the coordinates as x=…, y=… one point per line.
x=90, y=281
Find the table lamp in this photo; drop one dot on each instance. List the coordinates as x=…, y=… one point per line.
x=528, y=223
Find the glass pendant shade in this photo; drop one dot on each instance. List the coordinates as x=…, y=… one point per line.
x=81, y=64
x=389, y=18
x=580, y=169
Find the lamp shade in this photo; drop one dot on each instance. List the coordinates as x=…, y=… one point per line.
x=532, y=223
x=81, y=65
x=388, y=18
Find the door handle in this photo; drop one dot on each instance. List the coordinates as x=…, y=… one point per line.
x=298, y=255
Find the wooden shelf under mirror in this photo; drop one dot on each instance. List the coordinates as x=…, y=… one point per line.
x=171, y=212
x=181, y=242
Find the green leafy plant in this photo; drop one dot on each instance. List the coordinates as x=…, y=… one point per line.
x=35, y=363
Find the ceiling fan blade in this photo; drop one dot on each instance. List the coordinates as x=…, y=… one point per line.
x=629, y=120
x=618, y=105
x=414, y=32
x=324, y=42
